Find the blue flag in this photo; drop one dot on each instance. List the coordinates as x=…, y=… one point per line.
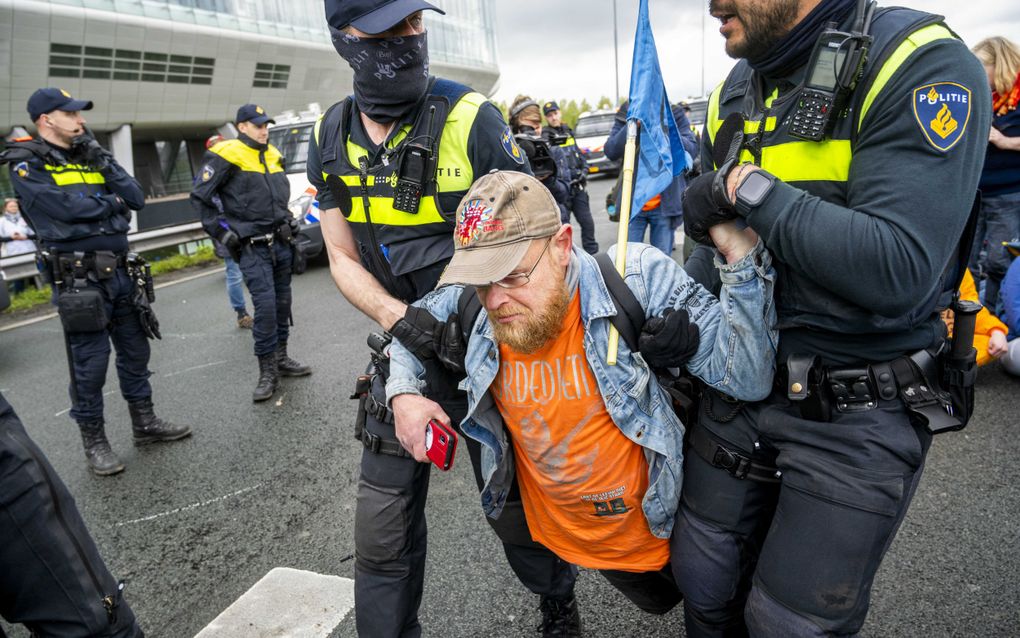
x=661, y=153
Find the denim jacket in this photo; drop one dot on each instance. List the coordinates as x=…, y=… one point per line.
x=736, y=355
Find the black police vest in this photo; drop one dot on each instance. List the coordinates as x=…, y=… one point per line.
x=77, y=180
x=823, y=168
x=412, y=241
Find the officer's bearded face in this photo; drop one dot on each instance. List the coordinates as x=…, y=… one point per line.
x=528, y=317
x=751, y=27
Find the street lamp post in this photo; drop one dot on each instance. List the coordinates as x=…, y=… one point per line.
x=616, y=56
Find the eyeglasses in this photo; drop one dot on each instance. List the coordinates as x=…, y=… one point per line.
x=516, y=280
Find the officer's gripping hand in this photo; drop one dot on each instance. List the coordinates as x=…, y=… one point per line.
x=91, y=151
x=411, y=413
x=670, y=340
x=232, y=242
x=704, y=206
x=449, y=345
x=417, y=331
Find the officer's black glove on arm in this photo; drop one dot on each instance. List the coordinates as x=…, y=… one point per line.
x=417, y=331
x=91, y=151
x=705, y=202
x=449, y=344
x=669, y=341
x=232, y=242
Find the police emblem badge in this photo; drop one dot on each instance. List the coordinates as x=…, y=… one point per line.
x=942, y=110
x=510, y=146
x=21, y=168
x=207, y=173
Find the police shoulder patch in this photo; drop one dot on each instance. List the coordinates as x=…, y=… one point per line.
x=207, y=172
x=510, y=146
x=21, y=168
x=942, y=110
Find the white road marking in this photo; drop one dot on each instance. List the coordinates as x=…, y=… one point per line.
x=186, y=508
x=50, y=315
x=286, y=603
x=193, y=368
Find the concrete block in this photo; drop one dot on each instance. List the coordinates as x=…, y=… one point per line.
x=286, y=602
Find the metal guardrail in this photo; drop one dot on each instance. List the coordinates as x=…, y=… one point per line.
x=23, y=266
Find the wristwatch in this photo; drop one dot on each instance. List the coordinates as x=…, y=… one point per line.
x=753, y=190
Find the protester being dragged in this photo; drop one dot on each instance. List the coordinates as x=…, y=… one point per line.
x=1000, y=178
x=597, y=449
x=662, y=214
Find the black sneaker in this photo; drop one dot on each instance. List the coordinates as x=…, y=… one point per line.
x=559, y=617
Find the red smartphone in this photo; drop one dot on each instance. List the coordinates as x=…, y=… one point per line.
x=440, y=444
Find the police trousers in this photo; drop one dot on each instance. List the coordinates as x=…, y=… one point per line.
x=390, y=532
x=267, y=271
x=90, y=352
x=797, y=557
x=579, y=205
x=52, y=578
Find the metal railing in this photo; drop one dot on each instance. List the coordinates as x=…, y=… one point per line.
x=23, y=266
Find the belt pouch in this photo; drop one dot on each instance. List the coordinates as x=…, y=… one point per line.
x=105, y=264
x=82, y=310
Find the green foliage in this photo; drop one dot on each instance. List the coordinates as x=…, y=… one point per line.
x=204, y=255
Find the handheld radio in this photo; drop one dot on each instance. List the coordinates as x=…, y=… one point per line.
x=836, y=65
x=413, y=171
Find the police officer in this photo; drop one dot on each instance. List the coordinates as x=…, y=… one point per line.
x=79, y=200
x=391, y=164
x=559, y=133
x=52, y=578
x=789, y=504
x=253, y=223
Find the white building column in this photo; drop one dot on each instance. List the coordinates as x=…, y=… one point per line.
x=123, y=151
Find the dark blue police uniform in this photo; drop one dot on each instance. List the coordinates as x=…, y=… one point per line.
x=52, y=578
x=79, y=201
x=576, y=178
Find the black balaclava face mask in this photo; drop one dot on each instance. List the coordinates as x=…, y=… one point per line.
x=390, y=74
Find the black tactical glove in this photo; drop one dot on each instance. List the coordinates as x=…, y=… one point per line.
x=232, y=242
x=449, y=345
x=91, y=151
x=705, y=204
x=417, y=331
x=669, y=341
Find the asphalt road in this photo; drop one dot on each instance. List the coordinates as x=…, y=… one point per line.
x=192, y=525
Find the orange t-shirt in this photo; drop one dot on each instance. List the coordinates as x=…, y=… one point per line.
x=581, y=479
x=653, y=203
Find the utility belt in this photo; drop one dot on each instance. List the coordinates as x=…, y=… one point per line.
x=936, y=386
x=370, y=405
x=286, y=234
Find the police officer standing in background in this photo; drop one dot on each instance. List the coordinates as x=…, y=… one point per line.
x=559, y=132
x=79, y=200
x=258, y=231
x=789, y=505
x=391, y=164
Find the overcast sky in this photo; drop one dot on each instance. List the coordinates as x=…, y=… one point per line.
x=554, y=49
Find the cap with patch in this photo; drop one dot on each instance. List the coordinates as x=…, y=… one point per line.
x=47, y=100
x=549, y=107
x=496, y=221
x=1013, y=247
x=253, y=113
x=373, y=16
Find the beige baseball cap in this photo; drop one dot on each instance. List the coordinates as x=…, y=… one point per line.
x=496, y=221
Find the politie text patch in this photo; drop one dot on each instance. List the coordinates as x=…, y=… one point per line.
x=942, y=110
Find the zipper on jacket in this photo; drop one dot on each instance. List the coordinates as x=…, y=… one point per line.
x=110, y=602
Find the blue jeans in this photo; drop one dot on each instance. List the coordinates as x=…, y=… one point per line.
x=235, y=290
x=660, y=234
x=998, y=221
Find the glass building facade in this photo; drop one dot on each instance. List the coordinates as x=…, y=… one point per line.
x=464, y=36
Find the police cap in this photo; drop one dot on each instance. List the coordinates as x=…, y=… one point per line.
x=253, y=113
x=51, y=99
x=373, y=16
x=549, y=107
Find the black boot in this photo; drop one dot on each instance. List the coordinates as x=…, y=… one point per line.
x=149, y=428
x=98, y=454
x=559, y=617
x=268, y=377
x=287, y=366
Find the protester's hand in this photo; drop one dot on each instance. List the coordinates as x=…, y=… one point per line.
x=449, y=345
x=996, y=138
x=411, y=413
x=17, y=235
x=669, y=341
x=733, y=241
x=703, y=208
x=416, y=331
x=997, y=345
